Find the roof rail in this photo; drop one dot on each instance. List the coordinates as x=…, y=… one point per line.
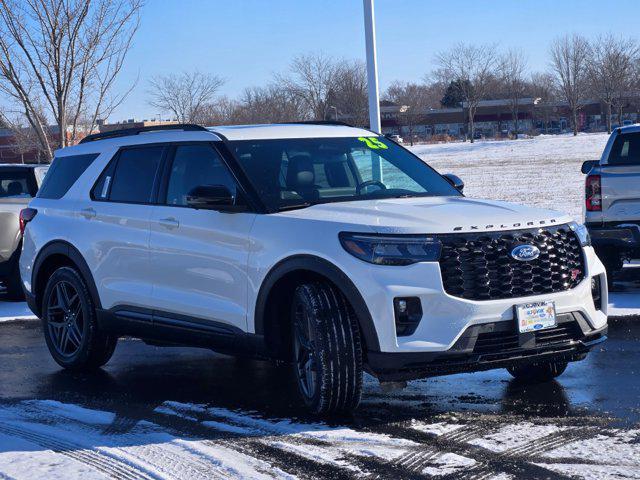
x=125, y=132
x=322, y=122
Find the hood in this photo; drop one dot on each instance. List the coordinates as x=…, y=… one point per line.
x=432, y=215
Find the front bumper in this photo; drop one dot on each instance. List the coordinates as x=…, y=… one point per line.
x=625, y=236
x=445, y=317
x=493, y=345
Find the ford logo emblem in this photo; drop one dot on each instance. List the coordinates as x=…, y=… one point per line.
x=525, y=253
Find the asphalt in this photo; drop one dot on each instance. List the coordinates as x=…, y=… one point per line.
x=141, y=377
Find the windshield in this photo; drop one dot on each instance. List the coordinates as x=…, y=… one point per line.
x=292, y=173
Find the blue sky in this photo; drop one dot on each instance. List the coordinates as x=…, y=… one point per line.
x=246, y=41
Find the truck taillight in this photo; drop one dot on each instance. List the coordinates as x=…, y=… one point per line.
x=593, y=193
x=26, y=215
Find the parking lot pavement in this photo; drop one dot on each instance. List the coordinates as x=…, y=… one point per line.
x=186, y=413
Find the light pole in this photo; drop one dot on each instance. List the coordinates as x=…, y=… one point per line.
x=335, y=112
x=372, y=67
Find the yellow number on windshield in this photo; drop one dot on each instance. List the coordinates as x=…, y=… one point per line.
x=373, y=143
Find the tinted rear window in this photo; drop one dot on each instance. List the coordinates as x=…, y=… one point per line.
x=63, y=173
x=17, y=183
x=135, y=175
x=626, y=150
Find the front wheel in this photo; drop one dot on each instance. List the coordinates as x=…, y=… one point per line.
x=540, y=372
x=327, y=349
x=70, y=325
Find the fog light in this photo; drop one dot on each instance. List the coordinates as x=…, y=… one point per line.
x=596, y=292
x=408, y=313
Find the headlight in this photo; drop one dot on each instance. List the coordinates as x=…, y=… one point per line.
x=392, y=249
x=582, y=233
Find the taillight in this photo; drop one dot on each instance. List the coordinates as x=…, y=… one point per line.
x=593, y=192
x=26, y=215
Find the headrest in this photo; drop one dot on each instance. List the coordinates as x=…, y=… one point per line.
x=300, y=172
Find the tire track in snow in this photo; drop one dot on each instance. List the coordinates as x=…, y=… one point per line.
x=516, y=466
x=528, y=451
x=111, y=466
x=146, y=452
x=416, y=461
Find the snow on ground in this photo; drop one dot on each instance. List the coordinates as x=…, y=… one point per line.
x=53, y=440
x=542, y=171
x=10, y=311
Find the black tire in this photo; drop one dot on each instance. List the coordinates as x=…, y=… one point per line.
x=70, y=326
x=327, y=350
x=539, y=372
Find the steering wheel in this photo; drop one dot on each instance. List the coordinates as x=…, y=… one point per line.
x=368, y=183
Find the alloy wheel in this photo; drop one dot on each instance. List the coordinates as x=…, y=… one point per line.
x=65, y=319
x=305, y=355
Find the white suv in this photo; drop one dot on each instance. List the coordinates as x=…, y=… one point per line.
x=324, y=245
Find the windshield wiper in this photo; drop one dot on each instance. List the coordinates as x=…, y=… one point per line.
x=295, y=206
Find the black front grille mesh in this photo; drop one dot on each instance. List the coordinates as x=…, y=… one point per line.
x=493, y=343
x=479, y=266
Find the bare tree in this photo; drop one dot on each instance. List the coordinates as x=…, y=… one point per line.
x=611, y=71
x=185, y=95
x=512, y=70
x=313, y=76
x=63, y=56
x=412, y=100
x=570, y=56
x=349, y=93
x=270, y=104
x=474, y=68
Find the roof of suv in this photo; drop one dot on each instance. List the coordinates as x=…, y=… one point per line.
x=231, y=132
x=288, y=130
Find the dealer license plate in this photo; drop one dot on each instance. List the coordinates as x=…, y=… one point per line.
x=536, y=316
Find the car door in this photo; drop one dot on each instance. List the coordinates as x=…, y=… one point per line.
x=118, y=227
x=199, y=257
x=621, y=179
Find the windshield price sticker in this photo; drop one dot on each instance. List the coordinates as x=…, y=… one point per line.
x=373, y=143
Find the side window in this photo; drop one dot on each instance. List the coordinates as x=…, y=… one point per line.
x=626, y=150
x=63, y=173
x=130, y=178
x=193, y=166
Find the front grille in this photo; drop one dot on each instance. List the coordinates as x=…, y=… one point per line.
x=479, y=266
x=565, y=332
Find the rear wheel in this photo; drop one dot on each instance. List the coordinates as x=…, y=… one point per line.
x=70, y=326
x=327, y=350
x=540, y=372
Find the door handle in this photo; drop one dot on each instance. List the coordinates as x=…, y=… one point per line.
x=169, y=223
x=88, y=213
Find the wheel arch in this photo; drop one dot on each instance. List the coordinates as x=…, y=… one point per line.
x=53, y=255
x=292, y=270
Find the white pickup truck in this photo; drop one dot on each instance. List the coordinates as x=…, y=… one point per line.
x=612, y=200
x=18, y=185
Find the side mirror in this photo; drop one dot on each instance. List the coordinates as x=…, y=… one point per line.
x=589, y=165
x=454, y=180
x=212, y=197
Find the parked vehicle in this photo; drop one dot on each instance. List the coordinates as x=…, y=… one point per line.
x=18, y=184
x=327, y=246
x=396, y=138
x=612, y=199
